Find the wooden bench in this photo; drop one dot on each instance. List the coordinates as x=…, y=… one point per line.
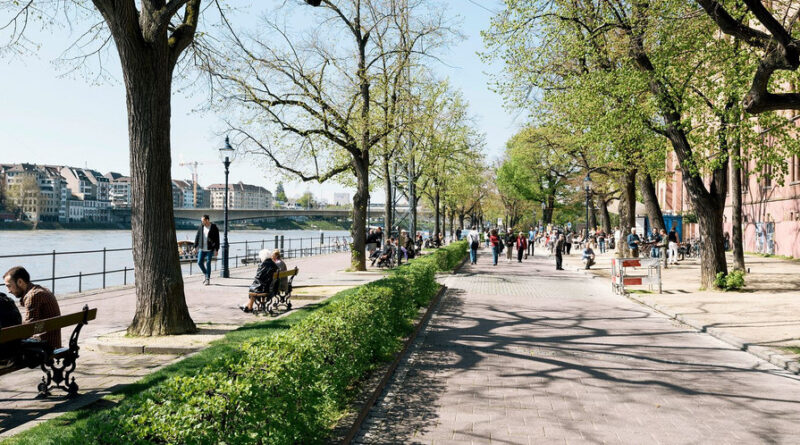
x=59, y=364
x=269, y=302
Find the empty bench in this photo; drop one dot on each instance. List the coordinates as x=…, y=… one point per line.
x=57, y=364
x=270, y=302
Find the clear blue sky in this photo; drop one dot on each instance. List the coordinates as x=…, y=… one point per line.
x=49, y=117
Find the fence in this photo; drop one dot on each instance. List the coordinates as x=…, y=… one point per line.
x=241, y=253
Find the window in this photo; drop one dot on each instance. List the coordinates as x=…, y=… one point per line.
x=795, y=168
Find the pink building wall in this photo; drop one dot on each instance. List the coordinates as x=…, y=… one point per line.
x=765, y=203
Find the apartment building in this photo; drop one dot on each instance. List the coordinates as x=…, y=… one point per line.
x=39, y=191
x=240, y=196
x=120, y=190
x=770, y=208
x=90, y=193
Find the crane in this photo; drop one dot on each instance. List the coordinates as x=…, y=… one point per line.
x=193, y=167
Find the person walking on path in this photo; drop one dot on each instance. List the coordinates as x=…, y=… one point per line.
x=511, y=240
x=601, y=240
x=497, y=245
x=39, y=303
x=206, y=241
x=559, y=251
x=473, y=240
x=522, y=246
x=531, y=242
x=568, y=242
x=672, y=239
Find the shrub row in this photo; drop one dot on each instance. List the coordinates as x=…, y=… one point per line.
x=290, y=387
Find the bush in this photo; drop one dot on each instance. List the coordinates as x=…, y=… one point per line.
x=290, y=387
x=732, y=281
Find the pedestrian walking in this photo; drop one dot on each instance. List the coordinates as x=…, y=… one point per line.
x=568, y=242
x=474, y=241
x=522, y=246
x=633, y=243
x=497, y=245
x=601, y=240
x=672, y=239
x=510, y=240
x=206, y=241
x=559, y=250
x=531, y=242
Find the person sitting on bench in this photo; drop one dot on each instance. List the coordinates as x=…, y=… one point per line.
x=276, y=257
x=263, y=280
x=9, y=316
x=39, y=303
x=387, y=254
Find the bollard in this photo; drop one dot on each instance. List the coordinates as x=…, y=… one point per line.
x=104, y=267
x=80, y=282
x=125, y=275
x=276, y=241
x=321, y=241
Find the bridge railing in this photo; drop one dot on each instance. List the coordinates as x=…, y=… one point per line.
x=84, y=270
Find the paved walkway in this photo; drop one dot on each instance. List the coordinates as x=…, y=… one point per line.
x=99, y=373
x=520, y=353
x=764, y=317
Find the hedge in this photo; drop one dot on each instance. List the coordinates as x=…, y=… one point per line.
x=290, y=387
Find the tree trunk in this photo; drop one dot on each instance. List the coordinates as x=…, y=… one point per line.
x=651, y=203
x=605, y=218
x=736, y=206
x=389, y=204
x=160, y=302
x=452, y=223
x=437, y=228
x=627, y=212
x=358, y=259
x=712, y=251
x=461, y=217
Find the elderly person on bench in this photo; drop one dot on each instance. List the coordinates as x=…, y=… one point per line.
x=9, y=316
x=262, y=283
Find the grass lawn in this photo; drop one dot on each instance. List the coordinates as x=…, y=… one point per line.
x=50, y=431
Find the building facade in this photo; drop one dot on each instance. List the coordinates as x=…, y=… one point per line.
x=120, y=190
x=240, y=196
x=770, y=208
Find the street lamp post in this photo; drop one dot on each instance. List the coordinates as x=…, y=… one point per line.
x=587, y=186
x=226, y=153
x=544, y=207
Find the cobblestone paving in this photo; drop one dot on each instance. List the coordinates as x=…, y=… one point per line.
x=99, y=373
x=520, y=353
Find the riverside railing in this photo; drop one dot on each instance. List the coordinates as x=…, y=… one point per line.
x=113, y=271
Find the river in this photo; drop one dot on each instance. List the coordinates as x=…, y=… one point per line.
x=17, y=243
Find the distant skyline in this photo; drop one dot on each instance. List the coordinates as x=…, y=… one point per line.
x=49, y=117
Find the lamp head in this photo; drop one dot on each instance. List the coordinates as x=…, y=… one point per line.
x=587, y=183
x=227, y=152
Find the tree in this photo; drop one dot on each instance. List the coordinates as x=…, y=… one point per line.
x=307, y=200
x=280, y=194
x=317, y=98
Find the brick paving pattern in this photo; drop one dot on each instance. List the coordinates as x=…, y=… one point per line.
x=520, y=353
x=99, y=373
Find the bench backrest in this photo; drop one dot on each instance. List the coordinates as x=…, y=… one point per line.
x=27, y=330
x=287, y=274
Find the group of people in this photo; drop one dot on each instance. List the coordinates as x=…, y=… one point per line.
x=37, y=302
x=403, y=247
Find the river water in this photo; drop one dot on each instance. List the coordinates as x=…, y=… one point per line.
x=18, y=244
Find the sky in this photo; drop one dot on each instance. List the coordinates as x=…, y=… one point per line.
x=49, y=115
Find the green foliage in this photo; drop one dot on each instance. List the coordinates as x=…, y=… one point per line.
x=732, y=281
x=287, y=387
x=280, y=193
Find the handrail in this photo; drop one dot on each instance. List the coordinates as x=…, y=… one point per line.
x=314, y=246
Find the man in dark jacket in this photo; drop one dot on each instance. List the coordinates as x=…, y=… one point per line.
x=207, y=244
x=9, y=316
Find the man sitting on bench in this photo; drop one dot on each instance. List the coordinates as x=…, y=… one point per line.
x=262, y=283
x=9, y=316
x=39, y=303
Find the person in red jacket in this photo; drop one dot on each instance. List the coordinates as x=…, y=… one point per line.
x=496, y=244
x=522, y=246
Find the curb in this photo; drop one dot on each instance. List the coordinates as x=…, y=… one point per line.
x=765, y=353
x=389, y=372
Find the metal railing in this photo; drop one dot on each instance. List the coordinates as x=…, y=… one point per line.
x=122, y=274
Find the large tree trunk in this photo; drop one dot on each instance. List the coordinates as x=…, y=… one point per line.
x=627, y=212
x=592, y=215
x=358, y=259
x=389, y=204
x=736, y=206
x=452, y=223
x=160, y=302
x=651, y=203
